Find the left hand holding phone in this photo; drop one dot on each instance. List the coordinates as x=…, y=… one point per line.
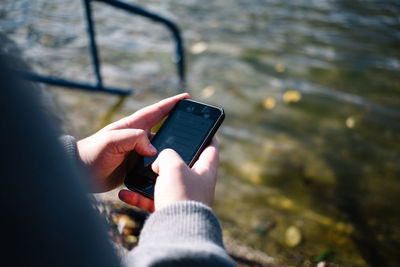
x=105, y=152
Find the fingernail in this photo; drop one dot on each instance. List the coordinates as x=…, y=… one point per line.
x=152, y=149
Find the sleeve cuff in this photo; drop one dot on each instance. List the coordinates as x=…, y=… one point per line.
x=69, y=144
x=183, y=222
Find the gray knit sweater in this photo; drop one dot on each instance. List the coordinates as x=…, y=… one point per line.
x=182, y=234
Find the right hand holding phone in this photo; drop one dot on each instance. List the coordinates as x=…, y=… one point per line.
x=177, y=182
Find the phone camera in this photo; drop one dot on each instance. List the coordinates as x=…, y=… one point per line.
x=190, y=109
x=205, y=112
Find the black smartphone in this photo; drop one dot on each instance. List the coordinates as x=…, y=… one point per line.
x=188, y=129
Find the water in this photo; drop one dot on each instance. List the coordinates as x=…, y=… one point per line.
x=311, y=90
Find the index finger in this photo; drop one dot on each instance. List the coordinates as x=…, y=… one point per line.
x=148, y=117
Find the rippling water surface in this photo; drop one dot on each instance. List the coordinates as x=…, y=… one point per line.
x=310, y=149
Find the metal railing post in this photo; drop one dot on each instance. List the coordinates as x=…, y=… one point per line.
x=180, y=59
x=93, y=45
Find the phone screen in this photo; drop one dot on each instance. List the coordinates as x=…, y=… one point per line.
x=184, y=133
x=188, y=129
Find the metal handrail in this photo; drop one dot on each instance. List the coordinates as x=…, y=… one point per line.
x=99, y=87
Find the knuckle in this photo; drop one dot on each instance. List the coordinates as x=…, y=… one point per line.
x=167, y=153
x=173, y=158
x=140, y=132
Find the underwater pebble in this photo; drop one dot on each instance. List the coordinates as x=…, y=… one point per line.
x=198, y=48
x=292, y=236
x=350, y=122
x=269, y=103
x=280, y=67
x=291, y=96
x=208, y=91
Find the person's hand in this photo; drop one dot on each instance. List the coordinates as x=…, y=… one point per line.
x=177, y=182
x=106, y=152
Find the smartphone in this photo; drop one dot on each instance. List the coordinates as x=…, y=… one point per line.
x=188, y=129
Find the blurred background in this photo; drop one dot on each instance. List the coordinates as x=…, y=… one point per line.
x=310, y=148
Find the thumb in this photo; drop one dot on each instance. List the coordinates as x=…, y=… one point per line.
x=125, y=140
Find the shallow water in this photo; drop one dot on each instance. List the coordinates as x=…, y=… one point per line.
x=312, y=94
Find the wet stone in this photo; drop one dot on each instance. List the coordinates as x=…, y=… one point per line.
x=293, y=236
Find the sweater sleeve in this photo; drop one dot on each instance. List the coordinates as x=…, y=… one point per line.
x=182, y=234
x=68, y=142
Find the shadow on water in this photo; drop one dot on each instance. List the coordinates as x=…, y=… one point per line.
x=347, y=194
